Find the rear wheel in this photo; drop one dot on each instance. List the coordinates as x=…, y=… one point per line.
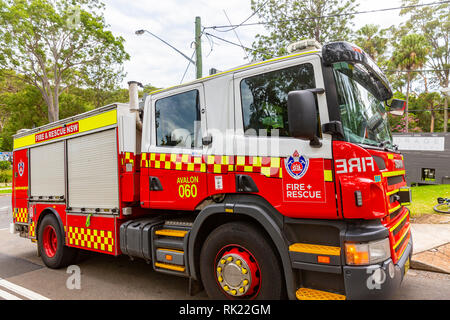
x=54, y=253
x=237, y=262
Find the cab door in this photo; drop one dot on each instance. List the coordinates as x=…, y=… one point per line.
x=295, y=177
x=175, y=157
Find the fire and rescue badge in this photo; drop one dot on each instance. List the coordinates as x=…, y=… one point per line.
x=21, y=168
x=296, y=165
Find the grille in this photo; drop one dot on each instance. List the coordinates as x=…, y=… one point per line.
x=394, y=180
x=394, y=214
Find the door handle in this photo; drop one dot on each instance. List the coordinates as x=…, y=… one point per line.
x=155, y=184
x=206, y=141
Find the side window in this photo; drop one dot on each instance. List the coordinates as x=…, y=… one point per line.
x=178, y=120
x=264, y=98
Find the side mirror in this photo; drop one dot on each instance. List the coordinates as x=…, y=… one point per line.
x=397, y=107
x=302, y=115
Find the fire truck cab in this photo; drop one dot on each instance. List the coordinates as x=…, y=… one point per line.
x=275, y=179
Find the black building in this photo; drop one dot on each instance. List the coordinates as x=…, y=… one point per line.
x=426, y=155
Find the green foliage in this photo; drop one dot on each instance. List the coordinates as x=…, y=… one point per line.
x=433, y=22
x=5, y=165
x=411, y=53
x=289, y=21
x=5, y=176
x=372, y=40
x=54, y=45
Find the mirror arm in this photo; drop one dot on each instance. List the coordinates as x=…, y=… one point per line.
x=315, y=142
x=316, y=90
x=334, y=128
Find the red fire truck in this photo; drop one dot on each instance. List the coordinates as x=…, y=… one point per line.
x=275, y=179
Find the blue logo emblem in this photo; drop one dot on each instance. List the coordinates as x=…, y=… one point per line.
x=21, y=168
x=296, y=165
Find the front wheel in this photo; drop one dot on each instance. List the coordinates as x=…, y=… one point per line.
x=237, y=262
x=54, y=253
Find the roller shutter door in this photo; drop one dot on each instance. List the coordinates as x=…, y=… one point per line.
x=47, y=170
x=92, y=171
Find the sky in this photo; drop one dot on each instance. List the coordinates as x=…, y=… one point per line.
x=153, y=62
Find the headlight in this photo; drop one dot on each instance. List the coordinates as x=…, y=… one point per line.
x=367, y=253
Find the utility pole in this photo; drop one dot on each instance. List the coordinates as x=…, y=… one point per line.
x=446, y=92
x=198, y=47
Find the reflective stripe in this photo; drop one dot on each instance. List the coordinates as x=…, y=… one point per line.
x=393, y=173
x=328, y=175
x=91, y=123
x=399, y=222
x=392, y=192
x=315, y=249
x=401, y=238
x=394, y=209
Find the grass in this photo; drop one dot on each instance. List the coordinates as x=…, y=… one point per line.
x=6, y=191
x=424, y=198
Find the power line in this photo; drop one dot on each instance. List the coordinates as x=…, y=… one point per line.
x=324, y=17
x=228, y=41
x=237, y=36
x=251, y=16
x=407, y=71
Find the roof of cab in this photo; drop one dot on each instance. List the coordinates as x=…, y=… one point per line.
x=243, y=67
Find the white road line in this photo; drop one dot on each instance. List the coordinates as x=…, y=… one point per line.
x=3, y=208
x=4, y=229
x=22, y=291
x=8, y=296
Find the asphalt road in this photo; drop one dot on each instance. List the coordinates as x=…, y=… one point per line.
x=23, y=276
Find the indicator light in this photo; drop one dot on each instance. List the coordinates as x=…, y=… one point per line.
x=323, y=259
x=358, y=198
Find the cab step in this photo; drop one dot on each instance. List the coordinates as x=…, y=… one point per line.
x=313, y=294
x=171, y=233
x=170, y=267
x=170, y=246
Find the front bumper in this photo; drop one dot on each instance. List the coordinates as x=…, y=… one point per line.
x=378, y=281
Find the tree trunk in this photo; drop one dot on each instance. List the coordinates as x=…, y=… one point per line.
x=432, y=120
x=407, y=102
x=445, y=113
x=51, y=111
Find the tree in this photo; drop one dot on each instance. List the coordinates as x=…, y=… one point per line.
x=409, y=55
x=53, y=45
x=372, y=40
x=22, y=106
x=292, y=20
x=426, y=104
x=433, y=22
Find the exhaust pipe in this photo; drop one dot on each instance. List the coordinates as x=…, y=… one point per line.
x=134, y=101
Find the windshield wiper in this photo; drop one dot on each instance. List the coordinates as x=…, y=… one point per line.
x=385, y=143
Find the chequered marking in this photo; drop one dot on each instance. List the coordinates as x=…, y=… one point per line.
x=21, y=215
x=127, y=157
x=168, y=161
x=90, y=238
x=220, y=164
x=32, y=230
x=267, y=166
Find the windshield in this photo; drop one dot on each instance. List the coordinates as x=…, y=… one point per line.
x=363, y=116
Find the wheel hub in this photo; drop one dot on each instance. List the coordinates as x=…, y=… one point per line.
x=237, y=273
x=50, y=241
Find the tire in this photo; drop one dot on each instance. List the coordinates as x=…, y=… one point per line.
x=240, y=245
x=54, y=253
x=442, y=208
